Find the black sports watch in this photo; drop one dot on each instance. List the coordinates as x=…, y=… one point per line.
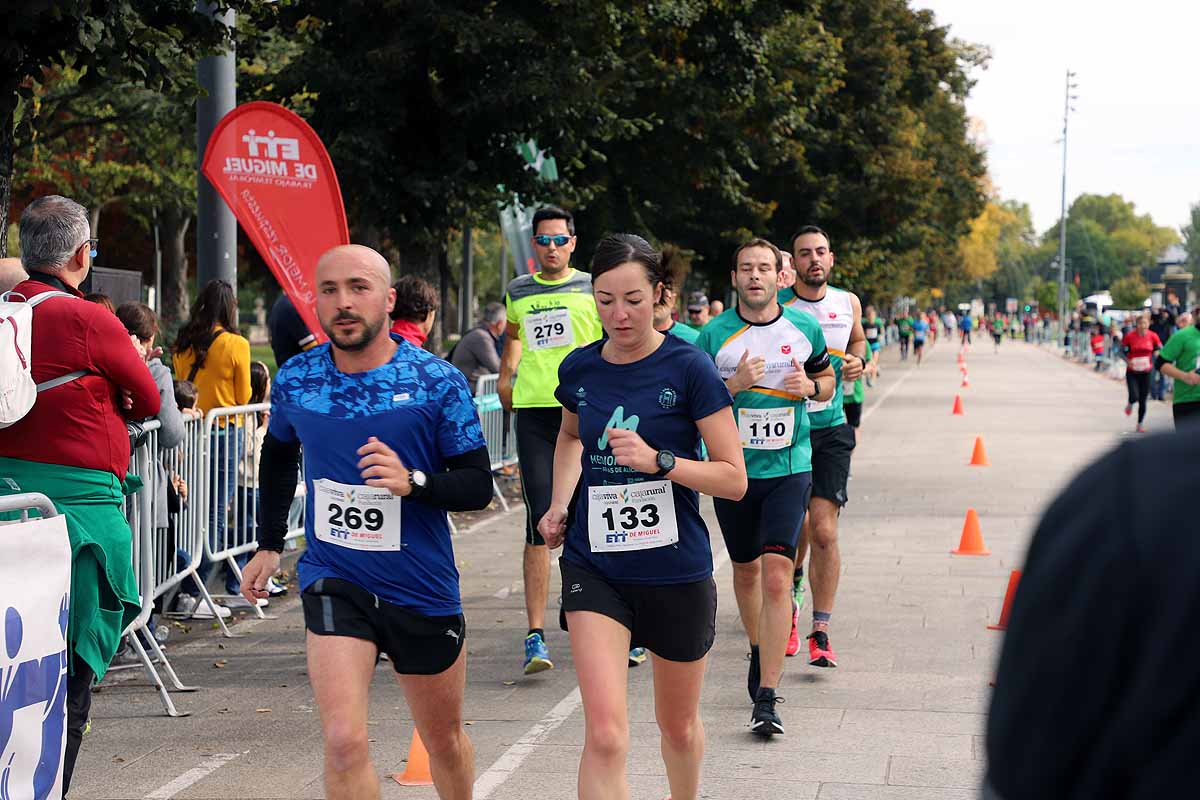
x=666, y=462
x=419, y=482
x=816, y=388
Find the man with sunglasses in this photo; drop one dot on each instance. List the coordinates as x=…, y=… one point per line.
x=73, y=447
x=550, y=313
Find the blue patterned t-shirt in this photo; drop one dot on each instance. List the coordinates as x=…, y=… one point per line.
x=417, y=404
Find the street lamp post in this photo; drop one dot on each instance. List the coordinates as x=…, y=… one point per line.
x=216, y=227
x=1062, y=220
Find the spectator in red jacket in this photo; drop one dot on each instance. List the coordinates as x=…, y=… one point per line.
x=73, y=447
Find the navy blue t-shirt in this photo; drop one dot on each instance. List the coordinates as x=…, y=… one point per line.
x=659, y=397
x=418, y=405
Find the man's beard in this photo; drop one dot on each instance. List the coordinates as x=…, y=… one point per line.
x=812, y=281
x=768, y=298
x=357, y=343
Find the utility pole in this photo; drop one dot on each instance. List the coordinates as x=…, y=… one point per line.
x=1062, y=220
x=216, y=227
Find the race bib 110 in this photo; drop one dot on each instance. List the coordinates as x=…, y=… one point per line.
x=766, y=428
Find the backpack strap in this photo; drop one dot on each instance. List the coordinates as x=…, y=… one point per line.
x=59, y=381
x=37, y=299
x=33, y=302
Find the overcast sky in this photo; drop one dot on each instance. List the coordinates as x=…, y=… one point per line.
x=1136, y=128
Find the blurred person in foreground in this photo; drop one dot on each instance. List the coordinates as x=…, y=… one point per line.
x=73, y=447
x=11, y=273
x=1099, y=676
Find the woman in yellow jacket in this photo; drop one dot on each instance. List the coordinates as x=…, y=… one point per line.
x=211, y=353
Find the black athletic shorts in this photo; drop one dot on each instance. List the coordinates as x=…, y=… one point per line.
x=853, y=414
x=918, y=344
x=675, y=621
x=1186, y=414
x=831, y=449
x=537, y=433
x=417, y=645
x=767, y=519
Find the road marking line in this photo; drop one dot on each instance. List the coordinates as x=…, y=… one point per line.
x=512, y=758
x=868, y=412
x=515, y=755
x=192, y=776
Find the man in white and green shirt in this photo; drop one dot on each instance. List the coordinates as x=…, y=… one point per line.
x=773, y=360
x=839, y=313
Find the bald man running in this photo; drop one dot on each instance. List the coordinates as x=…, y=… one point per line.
x=391, y=443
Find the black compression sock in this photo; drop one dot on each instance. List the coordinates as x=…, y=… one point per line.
x=539, y=631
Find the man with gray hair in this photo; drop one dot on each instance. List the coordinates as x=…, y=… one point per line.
x=73, y=447
x=477, y=353
x=11, y=273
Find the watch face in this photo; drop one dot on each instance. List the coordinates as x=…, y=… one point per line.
x=666, y=459
x=418, y=478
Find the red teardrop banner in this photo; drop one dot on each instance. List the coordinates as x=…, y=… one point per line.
x=275, y=175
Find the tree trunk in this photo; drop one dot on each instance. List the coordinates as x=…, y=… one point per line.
x=175, y=223
x=8, y=101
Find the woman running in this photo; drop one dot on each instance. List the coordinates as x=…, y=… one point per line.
x=637, y=567
x=1140, y=346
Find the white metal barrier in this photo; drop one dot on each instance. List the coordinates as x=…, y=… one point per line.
x=232, y=442
x=498, y=430
x=142, y=510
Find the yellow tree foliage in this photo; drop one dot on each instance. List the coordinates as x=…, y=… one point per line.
x=978, y=249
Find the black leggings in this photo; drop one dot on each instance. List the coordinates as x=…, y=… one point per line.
x=79, y=705
x=1138, y=384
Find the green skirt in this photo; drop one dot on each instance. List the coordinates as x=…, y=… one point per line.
x=104, y=592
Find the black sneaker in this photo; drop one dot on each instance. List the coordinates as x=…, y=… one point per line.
x=753, y=675
x=764, y=721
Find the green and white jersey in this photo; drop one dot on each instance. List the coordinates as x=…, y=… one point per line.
x=772, y=423
x=552, y=318
x=682, y=331
x=835, y=313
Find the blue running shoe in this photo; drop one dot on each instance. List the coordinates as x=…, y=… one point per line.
x=537, y=657
x=636, y=656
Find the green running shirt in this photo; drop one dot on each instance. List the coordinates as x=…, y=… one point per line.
x=689, y=335
x=552, y=318
x=792, y=335
x=1182, y=350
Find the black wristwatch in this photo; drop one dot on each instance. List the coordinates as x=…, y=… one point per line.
x=666, y=462
x=816, y=388
x=419, y=482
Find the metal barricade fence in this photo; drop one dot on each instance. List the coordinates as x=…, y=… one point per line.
x=232, y=442
x=498, y=429
x=143, y=510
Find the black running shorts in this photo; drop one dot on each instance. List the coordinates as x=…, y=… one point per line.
x=537, y=433
x=675, y=621
x=853, y=414
x=767, y=519
x=417, y=645
x=831, y=449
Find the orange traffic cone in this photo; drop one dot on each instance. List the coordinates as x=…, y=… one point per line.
x=416, y=772
x=971, y=543
x=1006, y=609
x=958, y=407
x=965, y=383
x=979, y=455
x=961, y=360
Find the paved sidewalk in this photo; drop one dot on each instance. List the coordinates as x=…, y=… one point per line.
x=900, y=719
